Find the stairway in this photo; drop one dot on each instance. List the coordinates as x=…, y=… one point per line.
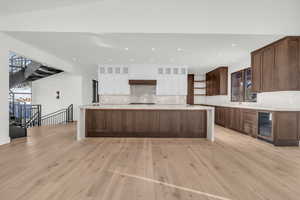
x=23, y=70
x=22, y=116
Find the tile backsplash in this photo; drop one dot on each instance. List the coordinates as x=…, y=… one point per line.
x=283, y=99
x=126, y=99
x=142, y=93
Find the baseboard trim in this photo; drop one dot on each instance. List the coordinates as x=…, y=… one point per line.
x=4, y=140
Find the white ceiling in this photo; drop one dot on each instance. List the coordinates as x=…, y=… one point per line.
x=199, y=51
x=17, y=6
x=260, y=17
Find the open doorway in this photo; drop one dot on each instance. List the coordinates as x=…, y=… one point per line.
x=95, y=91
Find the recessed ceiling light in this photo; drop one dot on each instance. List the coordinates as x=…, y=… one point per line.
x=153, y=49
x=126, y=49
x=179, y=49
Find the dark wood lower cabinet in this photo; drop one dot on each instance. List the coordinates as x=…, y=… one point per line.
x=286, y=125
x=249, y=122
x=235, y=119
x=146, y=123
x=286, y=128
x=220, y=116
x=228, y=117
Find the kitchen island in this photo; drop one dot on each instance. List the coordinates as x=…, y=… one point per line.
x=162, y=121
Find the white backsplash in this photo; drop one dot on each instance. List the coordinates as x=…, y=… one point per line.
x=284, y=99
x=142, y=93
x=126, y=99
x=178, y=100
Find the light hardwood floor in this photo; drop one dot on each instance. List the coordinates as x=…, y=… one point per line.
x=51, y=165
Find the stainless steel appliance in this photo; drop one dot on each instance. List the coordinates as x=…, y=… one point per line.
x=265, y=126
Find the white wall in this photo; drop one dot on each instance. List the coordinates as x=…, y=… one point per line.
x=115, y=83
x=285, y=99
x=74, y=89
x=87, y=86
x=4, y=88
x=69, y=86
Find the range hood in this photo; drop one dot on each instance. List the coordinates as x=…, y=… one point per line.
x=142, y=82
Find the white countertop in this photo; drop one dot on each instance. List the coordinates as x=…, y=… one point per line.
x=258, y=107
x=147, y=107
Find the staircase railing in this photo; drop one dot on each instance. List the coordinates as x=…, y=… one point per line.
x=22, y=113
x=26, y=116
x=62, y=116
x=18, y=62
x=35, y=120
x=35, y=116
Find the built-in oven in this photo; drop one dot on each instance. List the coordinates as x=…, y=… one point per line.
x=265, y=126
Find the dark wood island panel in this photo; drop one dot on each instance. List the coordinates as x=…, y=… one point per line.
x=146, y=123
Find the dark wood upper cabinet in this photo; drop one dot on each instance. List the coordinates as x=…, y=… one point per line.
x=286, y=54
x=190, y=88
x=241, y=86
x=280, y=70
x=276, y=67
x=256, y=71
x=267, y=69
x=217, y=82
x=223, y=82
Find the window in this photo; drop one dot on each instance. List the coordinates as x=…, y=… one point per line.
x=241, y=86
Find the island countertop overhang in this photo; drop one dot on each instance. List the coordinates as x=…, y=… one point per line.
x=146, y=107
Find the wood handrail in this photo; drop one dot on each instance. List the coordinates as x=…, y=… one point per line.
x=200, y=81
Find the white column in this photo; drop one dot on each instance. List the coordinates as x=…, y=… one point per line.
x=4, y=88
x=81, y=124
x=211, y=124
